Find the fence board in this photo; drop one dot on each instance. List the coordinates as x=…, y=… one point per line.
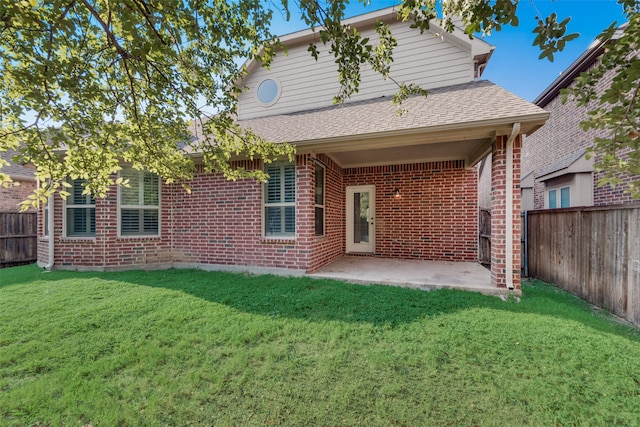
x=484, y=239
x=18, y=238
x=593, y=253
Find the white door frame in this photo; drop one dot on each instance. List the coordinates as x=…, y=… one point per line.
x=360, y=247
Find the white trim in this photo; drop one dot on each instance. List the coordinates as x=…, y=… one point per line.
x=369, y=247
x=275, y=98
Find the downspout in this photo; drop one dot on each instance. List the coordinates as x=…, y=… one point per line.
x=509, y=207
x=50, y=212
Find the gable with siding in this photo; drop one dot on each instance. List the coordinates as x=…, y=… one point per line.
x=431, y=59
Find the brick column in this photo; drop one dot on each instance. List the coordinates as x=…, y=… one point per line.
x=499, y=213
x=305, y=209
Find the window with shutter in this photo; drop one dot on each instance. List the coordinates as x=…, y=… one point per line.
x=80, y=211
x=280, y=200
x=139, y=204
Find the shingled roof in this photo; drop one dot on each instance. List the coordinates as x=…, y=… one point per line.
x=16, y=171
x=562, y=163
x=478, y=102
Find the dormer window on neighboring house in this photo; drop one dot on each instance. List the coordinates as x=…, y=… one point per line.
x=268, y=92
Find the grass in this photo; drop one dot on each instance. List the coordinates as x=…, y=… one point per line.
x=184, y=347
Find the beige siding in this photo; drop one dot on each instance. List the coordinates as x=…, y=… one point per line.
x=306, y=84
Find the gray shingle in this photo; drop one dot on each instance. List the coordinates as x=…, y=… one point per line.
x=14, y=170
x=562, y=163
x=470, y=102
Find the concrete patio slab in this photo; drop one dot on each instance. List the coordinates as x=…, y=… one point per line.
x=425, y=275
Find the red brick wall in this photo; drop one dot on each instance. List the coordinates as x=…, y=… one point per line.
x=11, y=197
x=327, y=248
x=106, y=250
x=436, y=216
x=562, y=135
x=220, y=221
x=498, y=213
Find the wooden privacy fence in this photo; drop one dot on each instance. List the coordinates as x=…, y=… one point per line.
x=594, y=253
x=484, y=239
x=18, y=238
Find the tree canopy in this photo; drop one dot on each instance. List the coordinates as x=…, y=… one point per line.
x=87, y=84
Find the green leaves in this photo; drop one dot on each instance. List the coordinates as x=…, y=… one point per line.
x=610, y=92
x=85, y=85
x=550, y=36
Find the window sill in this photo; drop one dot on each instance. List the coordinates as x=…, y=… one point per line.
x=89, y=239
x=140, y=237
x=278, y=240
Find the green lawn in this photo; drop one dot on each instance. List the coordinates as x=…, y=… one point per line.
x=185, y=347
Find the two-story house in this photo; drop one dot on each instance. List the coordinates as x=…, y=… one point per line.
x=365, y=182
x=555, y=170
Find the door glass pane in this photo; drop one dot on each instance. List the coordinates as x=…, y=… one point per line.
x=360, y=218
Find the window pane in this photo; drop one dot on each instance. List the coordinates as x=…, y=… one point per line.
x=129, y=221
x=130, y=195
x=81, y=221
x=290, y=183
x=552, y=199
x=360, y=217
x=150, y=189
x=273, y=221
x=273, y=189
x=319, y=221
x=565, y=197
x=45, y=220
x=150, y=221
x=319, y=185
x=77, y=198
x=268, y=91
x=290, y=219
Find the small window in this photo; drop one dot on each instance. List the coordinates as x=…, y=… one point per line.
x=45, y=219
x=139, y=203
x=565, y=197
x=80, y=211
x=552, y=199
x=319, y=200
x=280, y=200
x=268, y=92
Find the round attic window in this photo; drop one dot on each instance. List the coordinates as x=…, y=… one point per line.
x=268, y=92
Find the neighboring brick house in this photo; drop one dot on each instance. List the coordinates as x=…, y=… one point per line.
x=555, y=170
x=365, y=180
x=11, y=197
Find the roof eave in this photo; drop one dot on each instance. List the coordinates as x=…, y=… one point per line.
x=501, y=126
x=584, y=61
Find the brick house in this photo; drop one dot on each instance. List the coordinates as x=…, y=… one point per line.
x=555, y=170
x=365, y=180
x=11, y=197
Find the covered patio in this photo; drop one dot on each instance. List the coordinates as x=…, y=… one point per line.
x=415, y=274
x=404, y=186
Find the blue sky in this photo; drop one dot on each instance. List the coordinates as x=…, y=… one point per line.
x=515, y=64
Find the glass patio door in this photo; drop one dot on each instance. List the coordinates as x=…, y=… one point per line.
x=360, y=218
